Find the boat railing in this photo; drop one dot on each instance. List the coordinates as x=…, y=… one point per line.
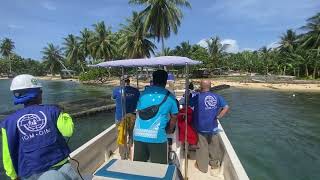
x=231, y=165
x=95, y=152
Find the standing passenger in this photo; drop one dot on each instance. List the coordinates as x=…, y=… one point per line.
x=125, y=124
x=208, y=108
x=150, y=138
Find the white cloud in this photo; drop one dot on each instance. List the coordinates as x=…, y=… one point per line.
x=203, y=43
x=48, y=5
x=231, y=45
x=273, y=45
x=15, y=26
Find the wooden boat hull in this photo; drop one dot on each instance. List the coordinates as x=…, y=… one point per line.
x=98, y=151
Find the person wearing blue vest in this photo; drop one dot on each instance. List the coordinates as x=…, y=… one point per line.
x=131, y=97
x=208, y=108
x=33, y=137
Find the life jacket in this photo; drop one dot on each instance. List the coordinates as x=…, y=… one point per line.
x=192, y=137
x=35, y=143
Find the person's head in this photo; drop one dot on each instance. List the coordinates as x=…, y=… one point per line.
x=26, y=90
x=160, y=78
x=170, y=77
x=126, y=80
x=191, y=87
x=205, y=85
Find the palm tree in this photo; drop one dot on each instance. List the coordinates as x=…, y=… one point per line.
x=166, y=52
x=215, y=49
x=265, y=54
x=288, y=41
x=73, y=51
x=102, y=45
x=311, y=39
x=162, y=16
x=52, y=56
x=135, y=42
x=184, y=49
x=6, y=47
x=85, y=40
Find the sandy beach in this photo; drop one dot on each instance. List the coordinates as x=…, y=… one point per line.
x=179, y=85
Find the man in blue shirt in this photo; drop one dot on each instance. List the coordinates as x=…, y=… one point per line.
x=208, y=108
x=150, y=138
x=33, y=141
x=131, y=98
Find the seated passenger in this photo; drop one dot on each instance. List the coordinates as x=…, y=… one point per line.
x=150, y=136
x=192, y=137
x=191, y=91
x=33, y=137
x=208, y=108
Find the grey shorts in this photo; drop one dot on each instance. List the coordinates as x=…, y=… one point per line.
x=65, y=172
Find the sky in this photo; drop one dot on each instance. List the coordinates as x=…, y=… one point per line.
x=243, y=24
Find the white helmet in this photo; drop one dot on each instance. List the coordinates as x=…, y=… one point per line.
x=24, y=81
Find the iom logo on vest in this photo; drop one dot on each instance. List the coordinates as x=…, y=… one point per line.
x=31, y=125
x=210, y=102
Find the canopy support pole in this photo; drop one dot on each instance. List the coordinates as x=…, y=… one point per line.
x=123, y=107
x=186, y=94
x=137, y=77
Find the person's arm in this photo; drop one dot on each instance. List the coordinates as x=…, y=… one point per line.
x=173, y=115
x=172, y=123
x=223, y=112
x=224, y=106
x=65, y=124
x=6, y=157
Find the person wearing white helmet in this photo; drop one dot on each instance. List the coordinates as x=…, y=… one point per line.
x=33, y=137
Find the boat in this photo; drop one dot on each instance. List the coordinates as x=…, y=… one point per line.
x=219, y=87
x=99, y=159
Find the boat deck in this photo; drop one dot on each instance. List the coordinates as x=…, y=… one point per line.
x=193, y=172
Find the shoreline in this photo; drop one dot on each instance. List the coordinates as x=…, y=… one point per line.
x=179, y=84
x=289, y=87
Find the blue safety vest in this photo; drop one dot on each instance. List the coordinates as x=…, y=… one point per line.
x=35, y=143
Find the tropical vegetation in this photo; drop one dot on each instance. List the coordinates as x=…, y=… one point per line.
x=297, y=54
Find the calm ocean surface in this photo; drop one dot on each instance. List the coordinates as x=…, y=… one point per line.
x=276, y=135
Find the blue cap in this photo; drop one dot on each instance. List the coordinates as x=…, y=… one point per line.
x=170, y=77
x=28, y=95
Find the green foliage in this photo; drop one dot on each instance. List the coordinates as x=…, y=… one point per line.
x=102, y=44
x=134, y=40
x=94, y=74
x=298, y=54
x=52, y=56
x=162, y=16
x=23, y=66
x=6, y=47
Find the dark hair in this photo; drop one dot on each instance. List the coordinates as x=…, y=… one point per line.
x=160, y=78
x=191, y=86
x=127, y=80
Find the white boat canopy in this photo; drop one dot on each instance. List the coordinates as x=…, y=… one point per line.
x=154, y=61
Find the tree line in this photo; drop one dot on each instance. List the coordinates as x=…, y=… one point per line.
x=298, y=53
